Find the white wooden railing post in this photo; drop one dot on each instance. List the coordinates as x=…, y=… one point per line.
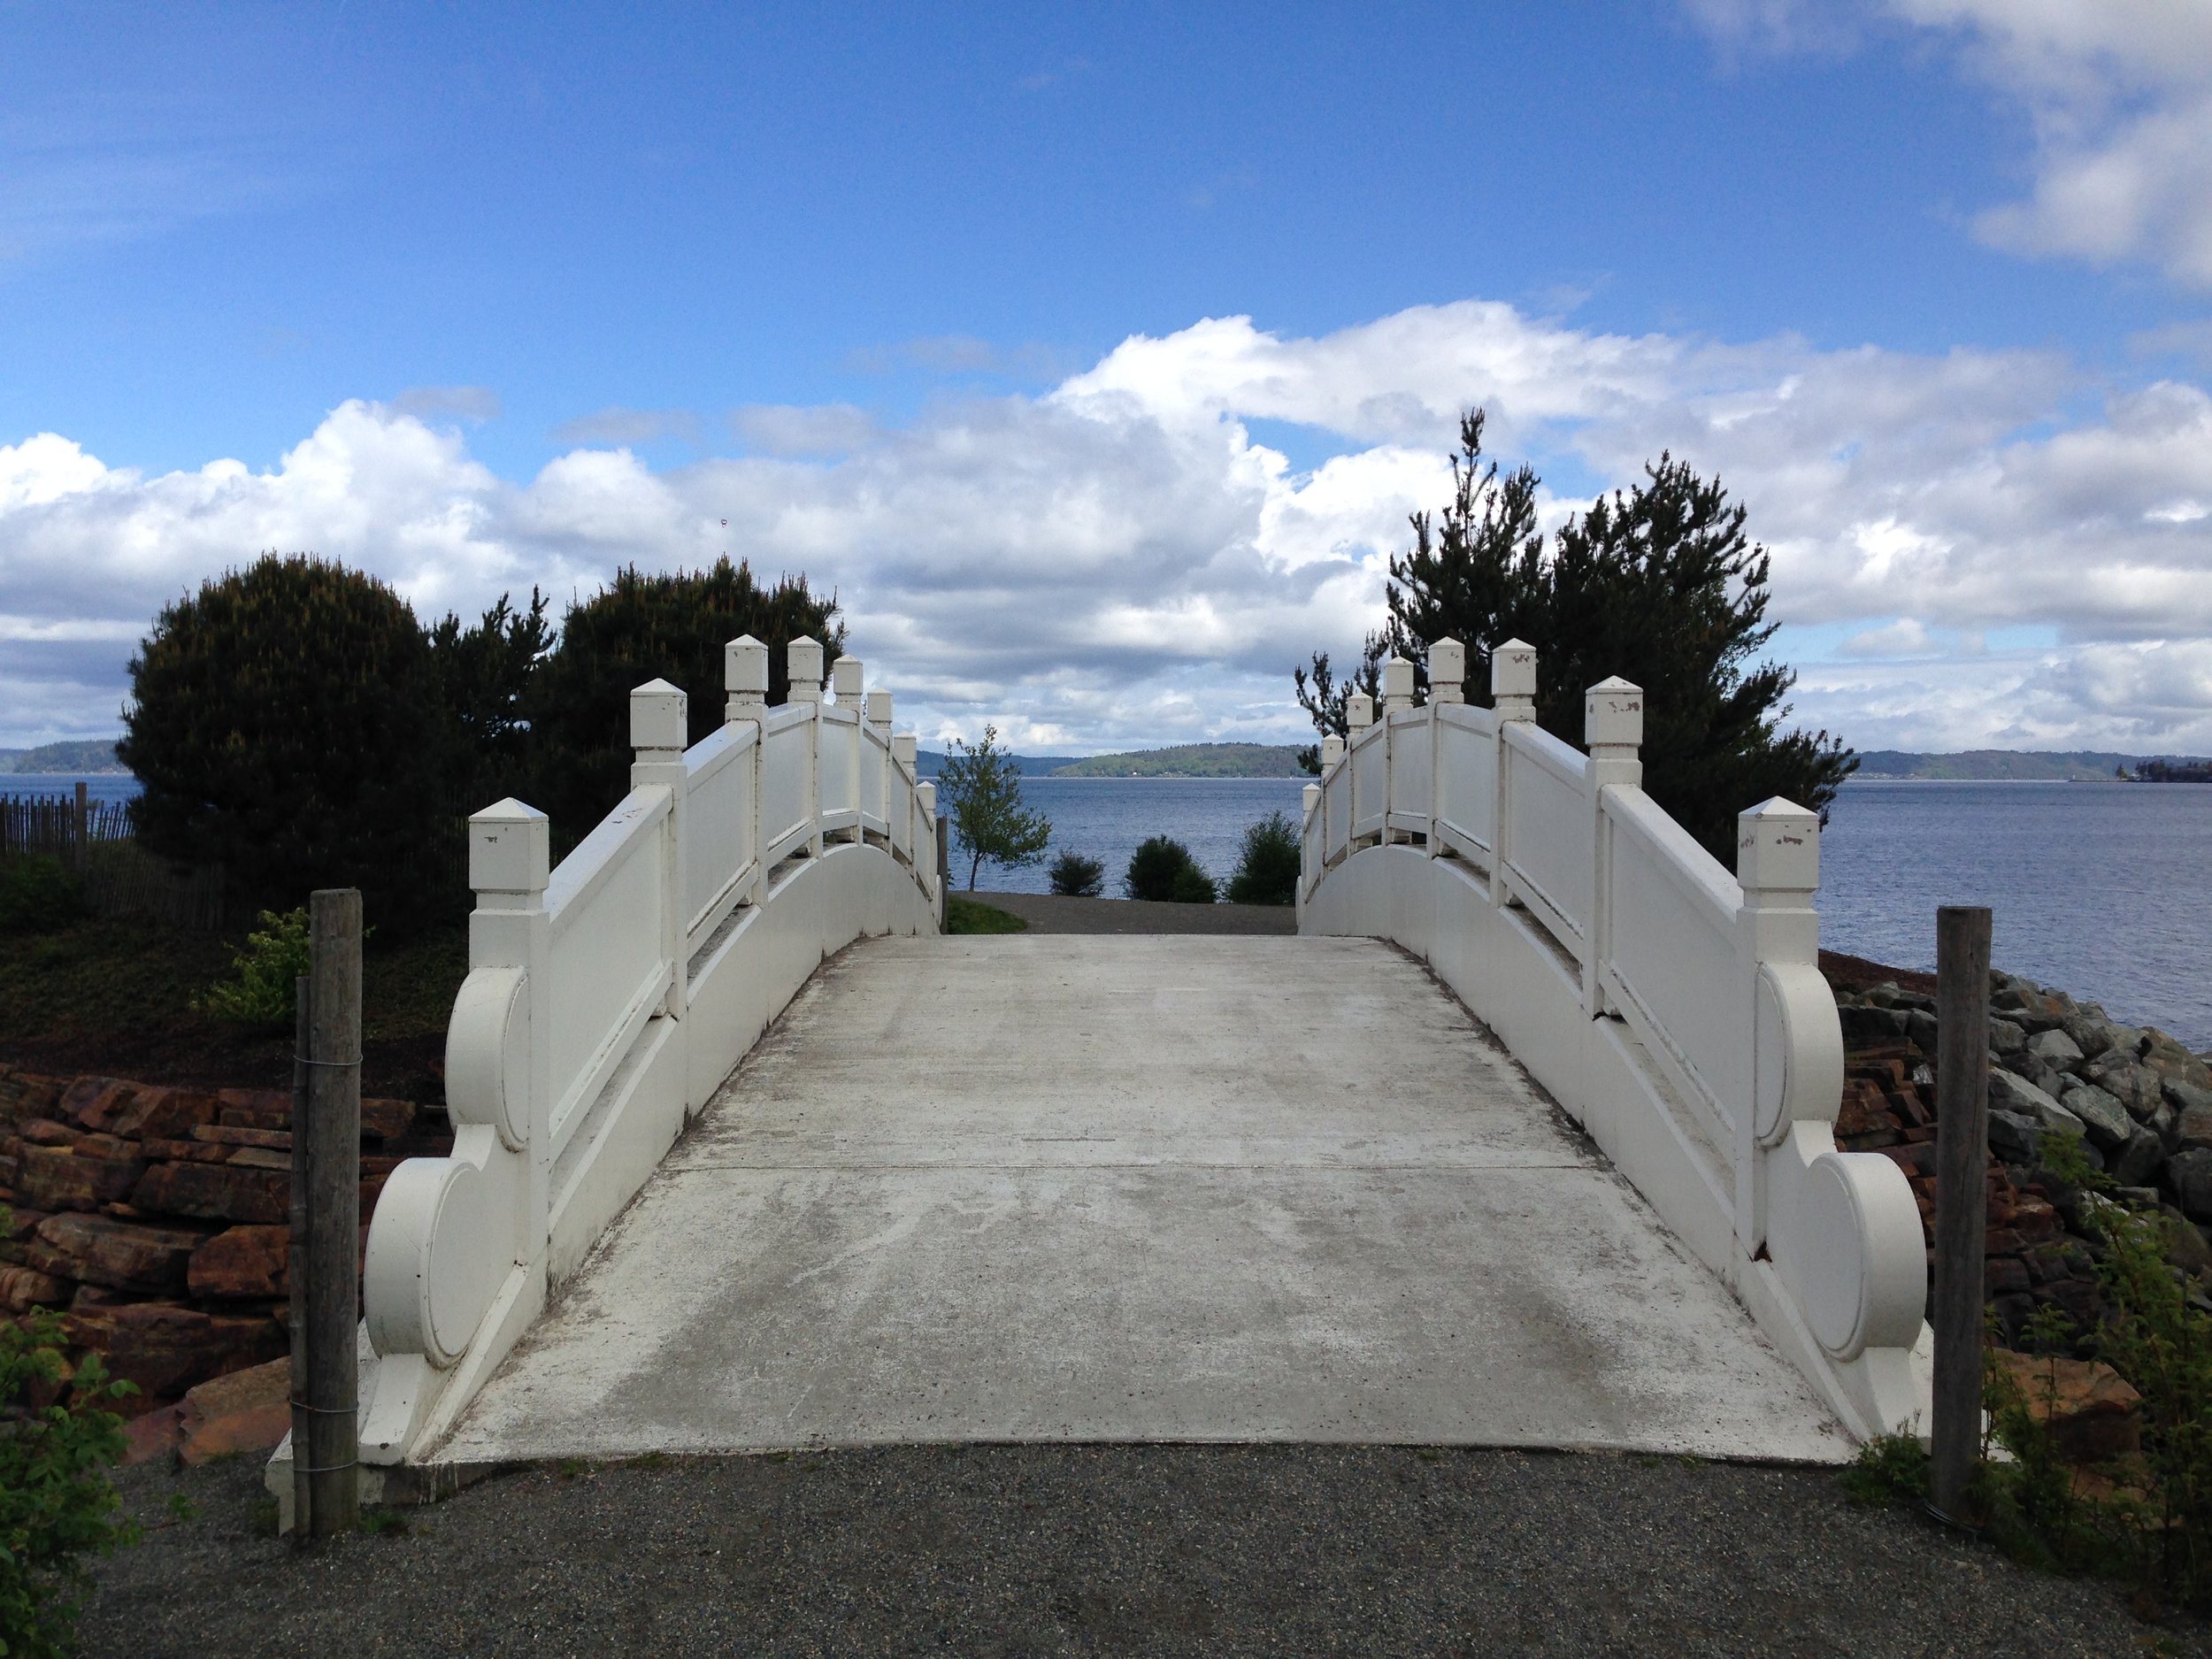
x=876, y=708
x=905, y=757
x=659, y=720
x=1447, y=674
x=925, y=808
x=847, y=675
x=802, y=659
x=1613, y=732
x=1513, y=694
x=1397, y=698
x=745, y=679
x=1778, y=866
x=511, y=862
x=1359, y=714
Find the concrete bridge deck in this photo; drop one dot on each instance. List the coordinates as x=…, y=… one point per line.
x=1130, y=1189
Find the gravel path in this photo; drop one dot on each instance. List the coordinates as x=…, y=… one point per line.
x=1077, y=1549
x=1046, y=913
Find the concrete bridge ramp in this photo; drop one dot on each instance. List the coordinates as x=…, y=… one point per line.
x=1130, y=1189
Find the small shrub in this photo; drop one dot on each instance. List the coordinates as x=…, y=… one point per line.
x=56, y=1505
x=37, y=894
x=1891, y=1469
x=261, y=995
x=1162, y=869
x=1267, y=867
x=1076, y=877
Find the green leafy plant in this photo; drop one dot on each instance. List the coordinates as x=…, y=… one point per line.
x=37, y=894
x=1162, y=869
x=1076, y=877
x=265, y=975
x=980, y=787
x=1268, y=863
x=56, y=1505
x=1890, y=1469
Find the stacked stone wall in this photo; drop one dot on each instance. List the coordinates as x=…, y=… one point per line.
x=152, y=1218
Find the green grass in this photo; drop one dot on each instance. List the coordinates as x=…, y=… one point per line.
x=971, y=916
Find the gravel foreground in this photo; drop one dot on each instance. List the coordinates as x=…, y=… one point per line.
x=1102, y=1549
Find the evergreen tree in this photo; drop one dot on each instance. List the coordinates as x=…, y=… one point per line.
x=981, y=789
x=648, y=627
x=1658, y=584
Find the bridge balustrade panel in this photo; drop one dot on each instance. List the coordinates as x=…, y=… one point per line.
x=1548, y=840
x=787, y=783
x=1336, y=808
x=841, y=768
x=1466, y=780
x=721, y=805
x=1673, y=963
x=1370, y=760
x=604, y=910
x=1411, y=745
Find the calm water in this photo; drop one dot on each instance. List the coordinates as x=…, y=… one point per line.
x=2103, y=889
x=109, y=786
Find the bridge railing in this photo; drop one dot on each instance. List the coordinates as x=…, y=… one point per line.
x=607, y=999
x=1676, y=1010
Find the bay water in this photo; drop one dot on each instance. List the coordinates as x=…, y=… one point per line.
x=2101, y=889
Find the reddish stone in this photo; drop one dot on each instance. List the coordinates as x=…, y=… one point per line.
x=1863, y=1111
x=217, y=1192
x=257, y=1158
x=2090, y=1409
x=155, y=1434
x=27, y=1094
x=23, y=1288
x=247, y=1410
x=244, y=1261
x=160, y=1113
x=106, y=1146
x=186, y=1152
x=92, y=1102
x=166, y=1348
x=44, y=1131
x=53, y=1177
x=121, y=1254
x=387, y=1119
x=2035, y=1220
x=231, y=1135
x=255, y=1107
x=2003, y=1242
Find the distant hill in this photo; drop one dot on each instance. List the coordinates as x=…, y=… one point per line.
x=928, y=761
x=2025, y=765
x=1192, y=760
x=86, y=755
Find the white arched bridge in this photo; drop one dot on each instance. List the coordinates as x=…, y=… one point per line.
x=1525, y=1139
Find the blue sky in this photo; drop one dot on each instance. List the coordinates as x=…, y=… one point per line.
x=1096, y=355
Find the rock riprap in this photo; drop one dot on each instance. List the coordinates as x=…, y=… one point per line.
x=2135, y=1102
x=152, y=1218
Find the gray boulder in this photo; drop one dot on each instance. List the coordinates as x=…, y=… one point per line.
x=2189, y=1178
x=2188, y=1249
x=2056, y=1049
x=2105, y=1118
x=2192, y=1129
x=2187, y=1097
x=2091, y=1034
x=2014, y=1137
x=2135, y=1162
x=2006, y=1038
x=2135, y=1086
x=1920, y=1026
x=2022, y=1098
x=1866, y=1027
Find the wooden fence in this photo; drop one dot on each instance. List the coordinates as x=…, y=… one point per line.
x=97, y=839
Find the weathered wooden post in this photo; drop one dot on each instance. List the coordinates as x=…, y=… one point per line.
x=296, y=1265
x=333, y=1146
x=82, y=839
x=1962, y=1202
